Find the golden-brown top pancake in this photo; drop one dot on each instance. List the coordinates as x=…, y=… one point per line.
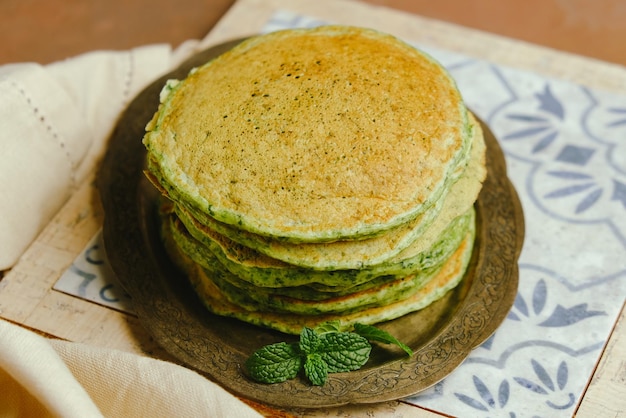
x=312, y=134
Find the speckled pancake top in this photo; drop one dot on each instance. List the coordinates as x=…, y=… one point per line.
x=312, y=135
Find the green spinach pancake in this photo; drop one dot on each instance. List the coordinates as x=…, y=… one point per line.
x=317, y=174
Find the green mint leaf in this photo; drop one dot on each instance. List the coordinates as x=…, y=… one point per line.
x=309, y=340
x=330, y=326
x=343, y=351
x=320, y=351
x=316, y=369
x=275, y=363
x=375, y=334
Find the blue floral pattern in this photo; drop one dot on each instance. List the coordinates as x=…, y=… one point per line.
x=565, y=147
x=91, y=278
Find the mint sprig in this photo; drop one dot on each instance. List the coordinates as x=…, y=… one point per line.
x=320, y=351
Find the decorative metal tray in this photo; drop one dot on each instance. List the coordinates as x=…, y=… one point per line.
x=442, y=335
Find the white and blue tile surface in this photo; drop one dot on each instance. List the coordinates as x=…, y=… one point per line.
x=565, y=147
x=90, y=277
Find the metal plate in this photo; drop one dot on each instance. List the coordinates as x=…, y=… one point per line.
x=441, y=335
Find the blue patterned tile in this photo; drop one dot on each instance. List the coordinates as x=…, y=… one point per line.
x=575, y=154
x=91, y=278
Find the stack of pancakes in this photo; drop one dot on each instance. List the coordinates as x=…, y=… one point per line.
x=317, y=174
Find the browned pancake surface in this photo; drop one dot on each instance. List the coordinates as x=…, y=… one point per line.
x=312, y=134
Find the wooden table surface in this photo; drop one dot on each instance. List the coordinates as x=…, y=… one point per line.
x=50, y=30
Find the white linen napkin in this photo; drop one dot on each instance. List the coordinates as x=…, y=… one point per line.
x=40, y=377
x=54, y=123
